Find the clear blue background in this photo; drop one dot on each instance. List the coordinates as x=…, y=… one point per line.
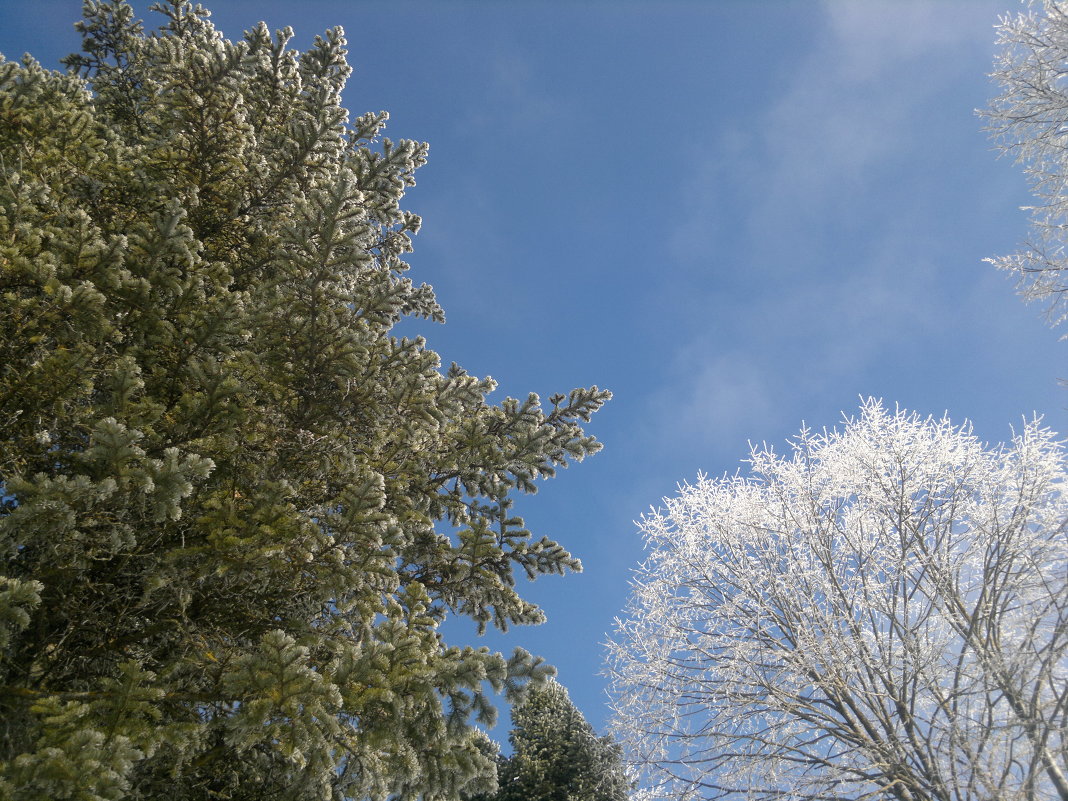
x=738, y=216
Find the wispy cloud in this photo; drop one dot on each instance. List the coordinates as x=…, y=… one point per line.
x=852, y=105
x=787, y=186
x=514, y=97
x=727, y=396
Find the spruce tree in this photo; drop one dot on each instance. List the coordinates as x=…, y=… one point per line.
x=234, y=509
x=557, y=756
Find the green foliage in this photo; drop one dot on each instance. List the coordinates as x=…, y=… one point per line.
x=557, y=755
x=233, y=508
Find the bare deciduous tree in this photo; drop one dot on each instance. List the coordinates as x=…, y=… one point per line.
x=1029, y=120
x=883, y=614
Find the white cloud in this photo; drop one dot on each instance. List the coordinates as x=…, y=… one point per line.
x=725, y=398
x=875, y=36
x=856, y=103
x=513, y=97
x=853, y=104
x=790, y=350
x=819, y=307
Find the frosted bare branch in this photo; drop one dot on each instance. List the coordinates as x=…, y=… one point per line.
x=882, y=613
x=1029, y=120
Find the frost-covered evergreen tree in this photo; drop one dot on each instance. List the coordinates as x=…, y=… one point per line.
x=233, y=508
x=557, y=756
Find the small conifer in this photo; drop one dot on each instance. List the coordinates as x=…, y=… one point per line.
x=557, y=756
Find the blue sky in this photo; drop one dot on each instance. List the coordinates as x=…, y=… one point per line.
x=737, y=216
